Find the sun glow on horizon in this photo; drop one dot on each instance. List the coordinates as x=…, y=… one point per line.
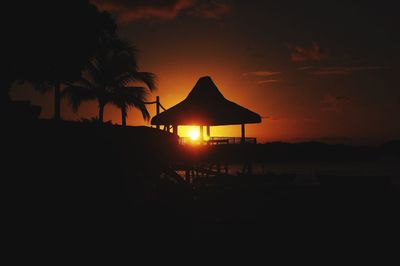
x=194, y=134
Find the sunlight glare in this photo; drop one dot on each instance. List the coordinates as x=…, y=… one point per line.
x=194, y=134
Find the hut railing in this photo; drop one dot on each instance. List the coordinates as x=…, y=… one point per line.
x=158, y=106
x=218, y=141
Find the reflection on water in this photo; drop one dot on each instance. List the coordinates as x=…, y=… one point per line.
x=309, y=171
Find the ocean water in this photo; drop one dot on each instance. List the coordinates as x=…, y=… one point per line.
x=310, y=171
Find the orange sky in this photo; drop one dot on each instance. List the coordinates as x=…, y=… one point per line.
x=310, y=75
x=280, y=122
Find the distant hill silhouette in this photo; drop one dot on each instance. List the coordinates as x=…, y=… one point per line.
x=292, y=152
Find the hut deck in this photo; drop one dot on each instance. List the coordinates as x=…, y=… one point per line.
x=219, y=141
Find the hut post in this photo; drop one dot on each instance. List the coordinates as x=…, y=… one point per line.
x=243, y=140
x=201, y=134
x=208, y=135
x=158, y=108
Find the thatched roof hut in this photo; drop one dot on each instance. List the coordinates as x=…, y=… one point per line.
x=206, y=106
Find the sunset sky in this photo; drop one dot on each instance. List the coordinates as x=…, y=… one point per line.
x=320, y=70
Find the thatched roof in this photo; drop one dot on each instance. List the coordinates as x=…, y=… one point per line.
x=205, y=105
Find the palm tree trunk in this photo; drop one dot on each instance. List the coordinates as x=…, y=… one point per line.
x=123, y=116
x=101, y=112
x=57, y=101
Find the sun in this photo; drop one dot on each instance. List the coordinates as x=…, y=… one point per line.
x=194, y=134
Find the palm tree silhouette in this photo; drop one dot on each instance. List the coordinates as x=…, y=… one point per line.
x=59, y=45
x=108, y=78
x=126, y=97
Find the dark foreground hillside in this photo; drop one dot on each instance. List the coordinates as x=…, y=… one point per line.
x=77, y=184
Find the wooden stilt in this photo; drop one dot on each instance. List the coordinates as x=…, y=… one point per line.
x=243, y=140
x=201, y=134
x=158, y=108
x=187, y=173
x=208, y=134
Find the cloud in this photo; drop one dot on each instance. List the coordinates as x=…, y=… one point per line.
x=128, y=10
x=262, y=73
x=313, y=53
x=334, y=104
x=330, y=72
x=305, y=68
x=210, y=9
x=340, y=71
x=260, y=82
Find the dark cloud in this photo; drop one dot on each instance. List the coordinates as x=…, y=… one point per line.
x=127, y=11
x=312, y=53
x=330, y=72
x=210, y=9
x=334, y=103
x=339, y=71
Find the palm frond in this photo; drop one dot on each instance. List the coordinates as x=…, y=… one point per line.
x=94, y=70
x=128, y=97
x=108, y=78
x=141, y=106
x=149, y=79
x=81, y=82
x=136, y=97
x=76, y=95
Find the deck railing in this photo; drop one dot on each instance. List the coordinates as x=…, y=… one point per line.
x=218, y=141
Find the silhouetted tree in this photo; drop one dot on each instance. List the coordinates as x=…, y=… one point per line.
x=107, y=78
x=49, y=42
x=127, y=97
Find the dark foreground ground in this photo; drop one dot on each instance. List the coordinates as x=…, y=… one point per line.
x=78, y=185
